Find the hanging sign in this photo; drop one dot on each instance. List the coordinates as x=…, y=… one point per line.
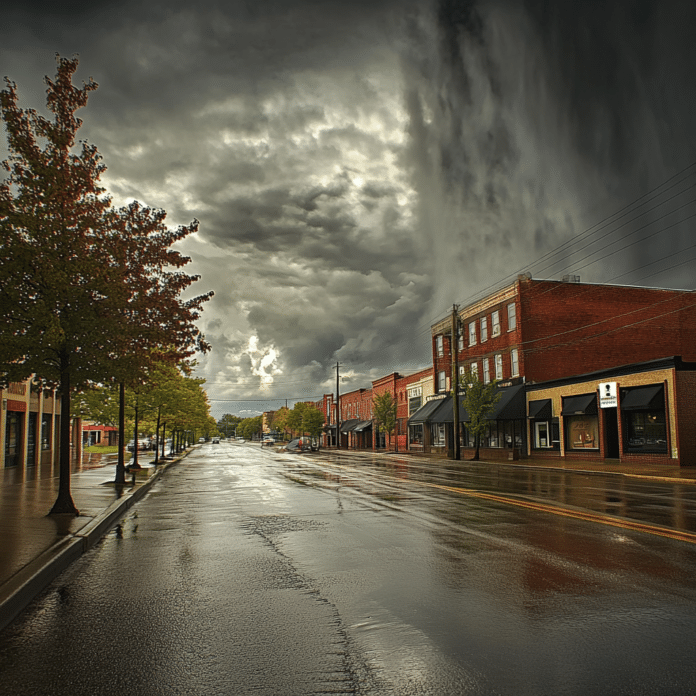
x=607, y=395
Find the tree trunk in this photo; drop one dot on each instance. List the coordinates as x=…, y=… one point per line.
x=121, y=461
x=64, y=504
x=135, y=464
x=475, y=458
x=157, y=431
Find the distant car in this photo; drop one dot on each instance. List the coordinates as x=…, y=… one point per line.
x=201, y=439
x=268, y=442
x=216, y=440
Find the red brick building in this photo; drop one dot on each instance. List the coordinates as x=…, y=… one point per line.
x=534, y=331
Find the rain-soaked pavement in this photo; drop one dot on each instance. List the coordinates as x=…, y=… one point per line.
x=254, y=572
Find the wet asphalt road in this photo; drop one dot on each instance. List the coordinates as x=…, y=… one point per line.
x=254, y=572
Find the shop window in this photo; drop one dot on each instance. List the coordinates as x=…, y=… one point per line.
x=545, y=435
x=438, y=432
x=46, y=419
x=415, y=436
x=645, y=431
x=581, y=432
x=484, y=329
x=472, y=333
x=512, y=317
x=495, y=321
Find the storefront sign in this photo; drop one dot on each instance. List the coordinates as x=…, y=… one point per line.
x=607, y=395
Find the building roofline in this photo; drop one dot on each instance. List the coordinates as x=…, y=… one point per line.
x=674, y=361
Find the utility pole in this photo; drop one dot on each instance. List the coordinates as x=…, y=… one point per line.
x=338, y=411
x=454, y=348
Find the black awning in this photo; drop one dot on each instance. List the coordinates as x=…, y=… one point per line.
x=510, y=406
x=361, y=426
x=348, y=425
x=329, y=427
x=540, y=409
x=647, y=398
x=584, y=404
x=423, y=414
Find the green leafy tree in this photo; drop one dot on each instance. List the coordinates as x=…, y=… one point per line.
x=384, y=410
x=280, y=420
x=295, y=416
x=312, y=421
x=228, y=424
x=479, y=400
x=250, y=427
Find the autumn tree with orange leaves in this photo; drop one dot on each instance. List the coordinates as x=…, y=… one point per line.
x=88, y=293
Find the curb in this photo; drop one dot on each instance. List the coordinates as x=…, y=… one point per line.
x=21, y=589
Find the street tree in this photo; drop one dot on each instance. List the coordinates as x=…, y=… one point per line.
x=228, y=423
x=384, y=410
x=478, y=399
x=312, y=421
x=85, y=290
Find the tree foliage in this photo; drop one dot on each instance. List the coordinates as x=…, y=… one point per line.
x=384, y=411
x=479, y=400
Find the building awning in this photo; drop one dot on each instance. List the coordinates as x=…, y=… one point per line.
x=361, y=426
x=585, y=404
x=423, y=414
x=348, y=425
x=329, y=427
x=647, y=398
x=540, y=409
x=510, y=406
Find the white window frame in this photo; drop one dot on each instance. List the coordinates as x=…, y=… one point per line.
x=439, y=346
x=474, y=369
x=514, y=363
x=499, y=366
x=484, y=329
x=441, y=382
x=512, y=316
x=495, y=323
x=460, y=342
x=486, y=371
x=472, y=333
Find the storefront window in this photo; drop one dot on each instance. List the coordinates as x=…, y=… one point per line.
x=415, y=434
x=582, y=432
x=646, y=431
x=46, y=431
x=545, y=435
x=438, y=434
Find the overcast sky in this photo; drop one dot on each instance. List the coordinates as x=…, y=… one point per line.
x=357, y=166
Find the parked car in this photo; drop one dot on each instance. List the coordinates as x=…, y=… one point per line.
x=201, y=439
x=299, y=444
x=268, y=442
x=216, y=440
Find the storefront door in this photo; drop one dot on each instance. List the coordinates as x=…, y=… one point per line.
x=611, y=433
x=13, y=438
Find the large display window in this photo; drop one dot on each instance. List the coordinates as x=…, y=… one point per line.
x=644, y=419
x=582, y=432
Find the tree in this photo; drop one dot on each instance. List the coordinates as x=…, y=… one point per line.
x=384, y=409
x=294, y=417
x=228, y=423
x=250, y=427
x=312, y=421
x=86, y=292
x=479, y=400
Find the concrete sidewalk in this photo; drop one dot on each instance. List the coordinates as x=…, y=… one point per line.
x=35, y=548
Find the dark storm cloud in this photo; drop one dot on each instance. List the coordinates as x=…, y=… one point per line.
x=358, y=166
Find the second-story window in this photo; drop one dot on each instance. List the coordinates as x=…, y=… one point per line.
x=474, y=369
x=484, y=329
x=512, y=317
x=441, y=382
x=495, y=321
x=486, y=371
x=499, y=366
x=472, y=333
x=514, y=362
x=439, y=346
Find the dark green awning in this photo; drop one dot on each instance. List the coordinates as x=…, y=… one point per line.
x=348, y=425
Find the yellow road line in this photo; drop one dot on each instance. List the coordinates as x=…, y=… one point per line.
x=575, y=514
x=585, y=516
